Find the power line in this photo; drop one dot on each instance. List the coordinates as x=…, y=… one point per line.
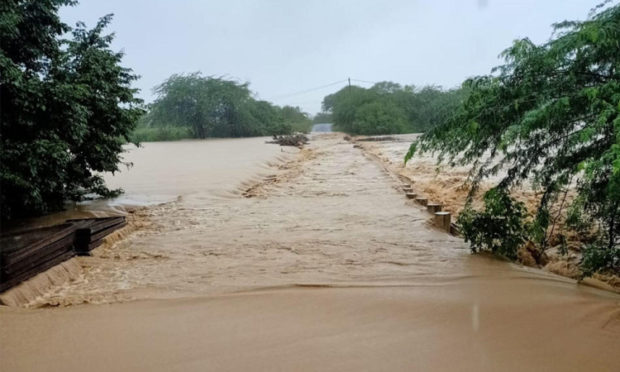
x=364, y=81
x=299, y=102
x=309, y=90
x=323, y=87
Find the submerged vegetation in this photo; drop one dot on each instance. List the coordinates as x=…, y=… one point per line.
x=196, y=106
x=389, y=108
x=67, y=108
x=549, y=116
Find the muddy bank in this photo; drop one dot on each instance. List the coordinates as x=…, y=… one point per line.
x=319, y=263
x=447, y=186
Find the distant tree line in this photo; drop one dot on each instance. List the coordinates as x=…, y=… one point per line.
x=193, y=105
x=389, y=108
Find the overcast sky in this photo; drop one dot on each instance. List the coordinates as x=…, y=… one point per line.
x=283, y=47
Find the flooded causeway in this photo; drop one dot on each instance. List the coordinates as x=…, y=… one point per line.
x=257, y=257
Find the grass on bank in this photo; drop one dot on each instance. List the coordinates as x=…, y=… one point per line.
x=170, y=133
x=156, y=134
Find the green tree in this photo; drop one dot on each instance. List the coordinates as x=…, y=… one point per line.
x=549, y=115
x=297, y=119
x=343, y=106
x=214, y=107
x=388, y=107
x=379, y=117
x=270, y=117
x=67, y=107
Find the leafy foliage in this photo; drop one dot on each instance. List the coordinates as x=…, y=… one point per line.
x=297, y=119
x=67, y=108
x=214, y=107
x=549, y=115
x=500, y=228
x=597, y=257
x=388, y=108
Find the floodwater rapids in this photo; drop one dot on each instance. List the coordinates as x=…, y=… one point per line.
x=249, y=256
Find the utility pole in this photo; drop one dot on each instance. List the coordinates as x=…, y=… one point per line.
x=349, y=83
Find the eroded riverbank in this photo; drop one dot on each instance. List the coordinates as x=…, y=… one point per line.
x=326, y=266
x=447, y=185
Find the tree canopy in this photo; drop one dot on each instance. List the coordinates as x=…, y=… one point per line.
x=215, y=107
x=67, y=108
x=389, y=108
x=549, y=115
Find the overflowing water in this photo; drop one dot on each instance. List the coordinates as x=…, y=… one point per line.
x=255, y=256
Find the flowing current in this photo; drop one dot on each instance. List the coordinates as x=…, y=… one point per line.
x=249, y=256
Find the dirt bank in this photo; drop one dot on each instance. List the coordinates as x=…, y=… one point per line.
x=446, y=185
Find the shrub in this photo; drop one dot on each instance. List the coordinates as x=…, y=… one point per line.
x=500, y=228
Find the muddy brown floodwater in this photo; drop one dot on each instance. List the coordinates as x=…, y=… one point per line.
x=262, y=258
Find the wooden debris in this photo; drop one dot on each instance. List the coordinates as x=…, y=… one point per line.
x=297, y=140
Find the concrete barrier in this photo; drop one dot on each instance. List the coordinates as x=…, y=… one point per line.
x=442, y=220
x=434, y=207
